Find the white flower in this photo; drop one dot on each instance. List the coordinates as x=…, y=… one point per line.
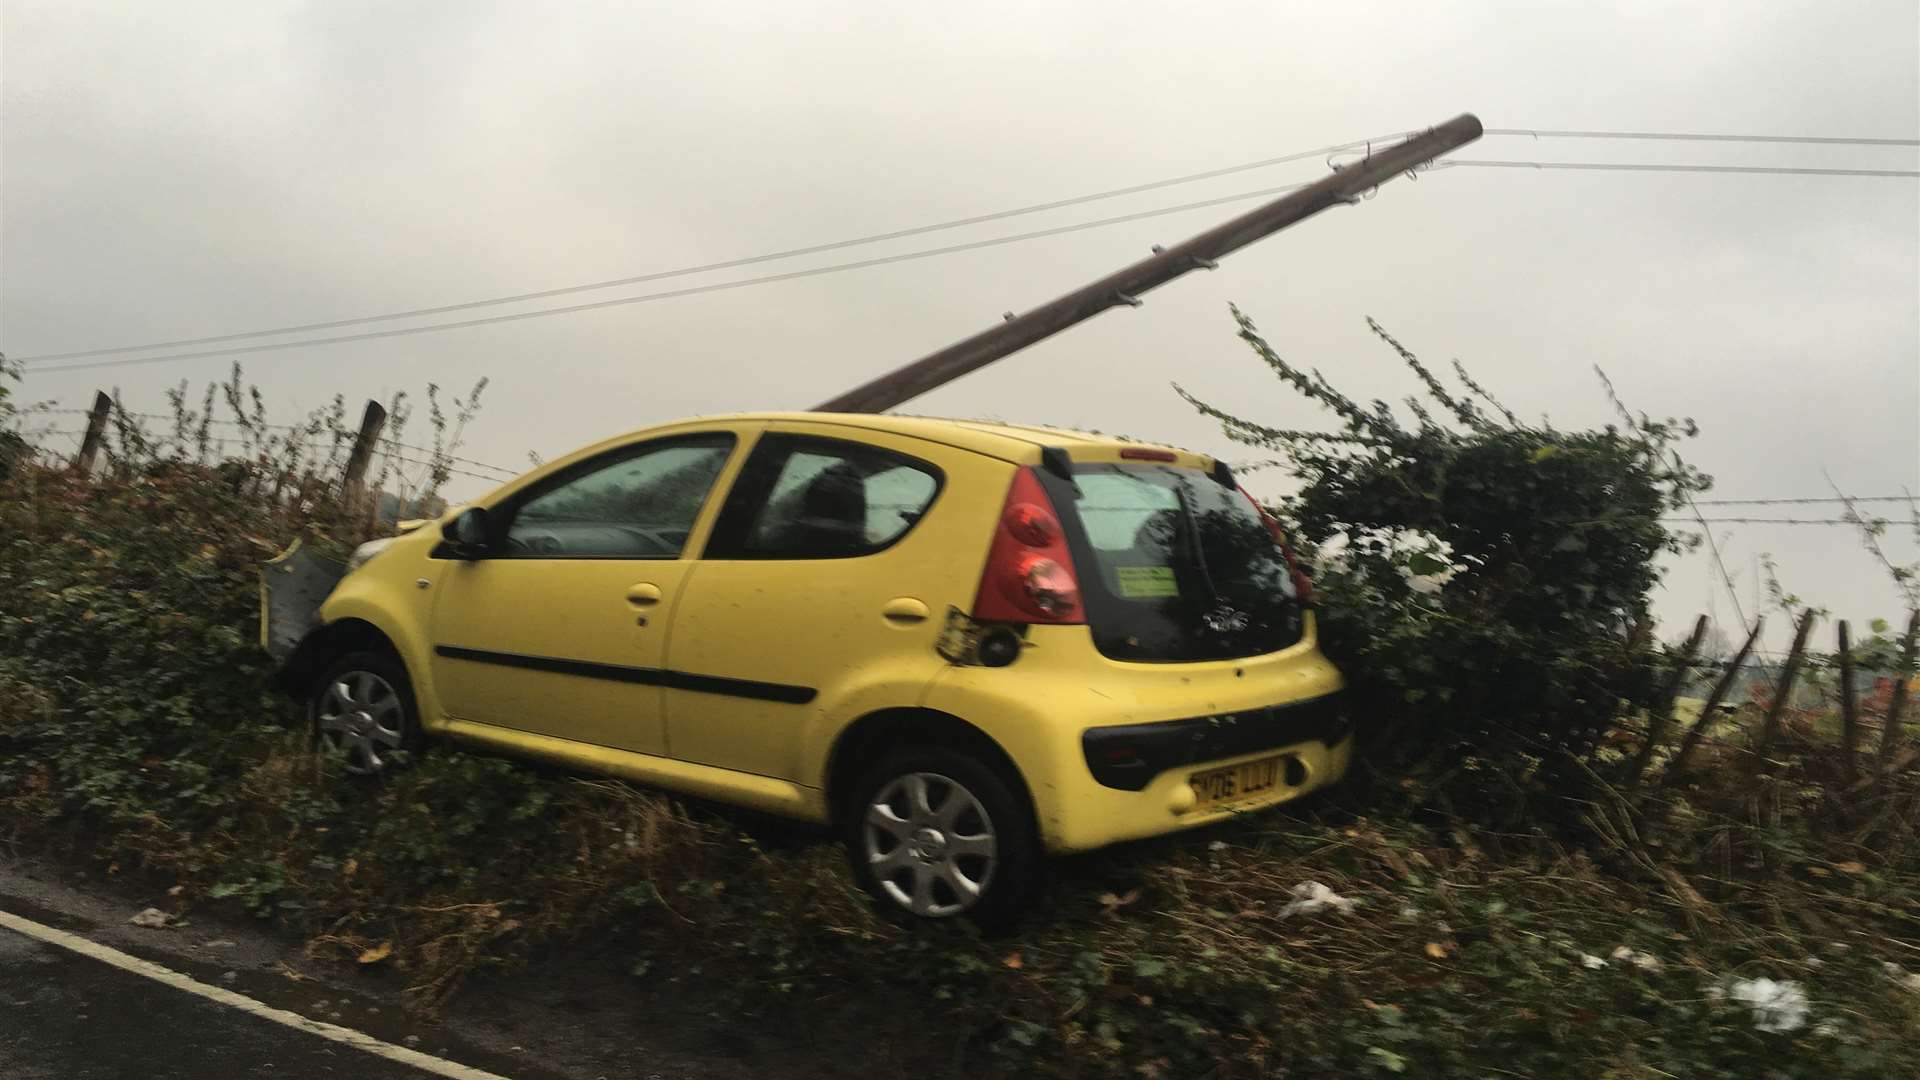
x=1588, y=960
x=1777, y=1007
x=1424, y=584
x=1311, y=897
x=1643, y=961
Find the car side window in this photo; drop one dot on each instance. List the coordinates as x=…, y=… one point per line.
x=634, y=503
x=810, y=498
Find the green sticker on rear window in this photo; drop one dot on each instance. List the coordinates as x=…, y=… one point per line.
x=1145, y=582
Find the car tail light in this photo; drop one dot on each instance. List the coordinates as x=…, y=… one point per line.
x=1029, y=576
x=1302, y=584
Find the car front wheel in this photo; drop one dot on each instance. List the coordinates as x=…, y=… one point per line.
x=937, y=833
x=362, y=712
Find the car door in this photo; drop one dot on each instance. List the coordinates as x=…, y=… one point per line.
x=559, y=627
x=822, y=590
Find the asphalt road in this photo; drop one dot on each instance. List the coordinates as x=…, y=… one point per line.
x=66, y=1013
x=68, y=1017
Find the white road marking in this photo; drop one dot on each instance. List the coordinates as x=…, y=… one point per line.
x=453, y=1070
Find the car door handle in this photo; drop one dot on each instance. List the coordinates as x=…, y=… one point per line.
x=643, y=594
x=904, y=610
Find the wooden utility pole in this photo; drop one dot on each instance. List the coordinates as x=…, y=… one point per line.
x=353, y=483
x=96, y=432
x=1125, y=287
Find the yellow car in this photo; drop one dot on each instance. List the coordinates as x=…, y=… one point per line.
x=964, y=644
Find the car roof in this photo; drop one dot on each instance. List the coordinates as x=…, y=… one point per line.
x=1012, y=442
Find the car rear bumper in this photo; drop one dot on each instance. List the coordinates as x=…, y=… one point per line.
x=1128, y=757
x=1170, y=802
x=1110, y=751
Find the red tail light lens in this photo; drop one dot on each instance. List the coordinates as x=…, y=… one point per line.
x=1302, y=584
x=1031, y=525
x=1029, y=576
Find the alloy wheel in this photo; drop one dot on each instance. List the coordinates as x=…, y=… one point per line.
x=359, y=719
x=930, y=844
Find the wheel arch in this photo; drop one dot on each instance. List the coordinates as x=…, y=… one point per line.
x=324, y=644
x=867, y=739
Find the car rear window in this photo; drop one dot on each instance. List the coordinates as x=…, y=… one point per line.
x=1173, y=565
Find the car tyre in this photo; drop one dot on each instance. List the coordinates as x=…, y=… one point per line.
x=361, y=713
x=935, y=832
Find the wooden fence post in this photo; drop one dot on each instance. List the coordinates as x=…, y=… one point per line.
x=1770, y=727
x=1890, y=735
x=96, y=432
x=1660, y=712
x=1720, y=690
x=1849, y=712
x=353, y=483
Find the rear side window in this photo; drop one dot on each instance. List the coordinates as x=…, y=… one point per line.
x=1173, y=565
x=811, y=498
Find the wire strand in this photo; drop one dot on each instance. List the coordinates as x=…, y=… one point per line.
x=1763, y=521
x=1622, y=166
x=1795, y=502
x=1819, y=140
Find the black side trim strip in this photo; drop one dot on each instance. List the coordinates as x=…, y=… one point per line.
x=1129, y=756
x=644, y=676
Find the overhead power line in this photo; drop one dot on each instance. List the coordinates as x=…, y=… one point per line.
x=918, y=230
x=1676, y=136
x=727, y=264
x=1762, y=521
x=1622, y=166
x=834, y=268
x=1788, y=502
x=692, y=290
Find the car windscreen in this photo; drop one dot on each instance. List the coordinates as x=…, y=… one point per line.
x=1173, y=565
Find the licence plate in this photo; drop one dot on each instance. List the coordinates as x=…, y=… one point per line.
x=1237, y=783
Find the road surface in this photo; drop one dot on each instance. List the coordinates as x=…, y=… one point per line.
x=64, y=1016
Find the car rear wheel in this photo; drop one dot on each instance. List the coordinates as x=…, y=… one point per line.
x=362, y=712
x=936, y=832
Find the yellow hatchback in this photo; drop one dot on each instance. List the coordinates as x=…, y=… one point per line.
x=963, y=644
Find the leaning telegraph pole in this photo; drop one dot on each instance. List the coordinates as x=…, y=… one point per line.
x=1125, y=287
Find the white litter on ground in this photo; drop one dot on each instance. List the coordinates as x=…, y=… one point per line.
x=1777, y=1007
x=1311, y=897
x=152, y=918
x=1591, y=962
x=1909, y=980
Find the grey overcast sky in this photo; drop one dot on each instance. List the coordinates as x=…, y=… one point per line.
x=179, y=170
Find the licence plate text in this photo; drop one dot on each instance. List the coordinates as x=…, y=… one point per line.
x=1236, y=783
